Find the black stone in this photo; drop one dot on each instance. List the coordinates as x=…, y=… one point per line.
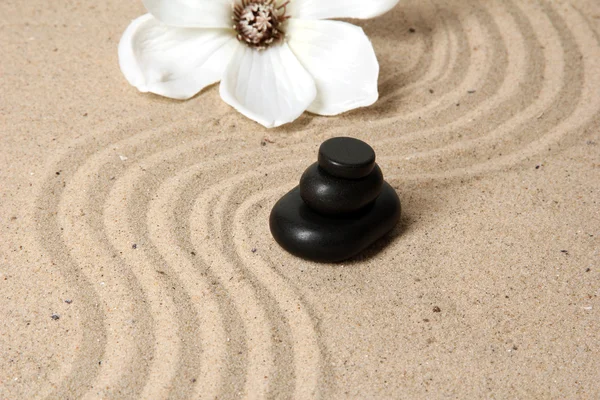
x=346, y=157
x=317, y=237
x=328, y=194
x=341, y=207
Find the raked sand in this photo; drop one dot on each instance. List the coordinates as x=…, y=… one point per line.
x=144, y=212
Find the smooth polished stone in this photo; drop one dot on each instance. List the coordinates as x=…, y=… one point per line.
x=346, y=157
x=326, y=238
x=328, y=194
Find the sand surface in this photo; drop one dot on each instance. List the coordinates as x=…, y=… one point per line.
x=143, y=214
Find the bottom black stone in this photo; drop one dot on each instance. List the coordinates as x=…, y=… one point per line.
x=326, y=238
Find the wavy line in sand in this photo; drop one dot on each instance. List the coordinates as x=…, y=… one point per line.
x=160, y=209
x=71, y=213
x=83, y=193
x=564, y=109
x=131, y=179
x=176, y=320
x=210, y=210
x=544, y=93
x=74, y=379
x=437, y=53
x=141, y=217
x=556, y=88
x=307, y=352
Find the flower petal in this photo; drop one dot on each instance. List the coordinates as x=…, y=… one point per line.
x=270, y=86
x=173, y=62
x=192, y=13
x=340, y=59
x=323, y=9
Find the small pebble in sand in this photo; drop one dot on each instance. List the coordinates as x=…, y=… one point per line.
x=55, y=317
x=254, y=250
x=412, y=30
x=134, y=246
x=565, y=251
x=68, y=301
x=437, y=309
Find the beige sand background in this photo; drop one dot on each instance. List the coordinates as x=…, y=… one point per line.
x=488, y=126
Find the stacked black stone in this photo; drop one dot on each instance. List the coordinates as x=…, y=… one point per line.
x=341, y=207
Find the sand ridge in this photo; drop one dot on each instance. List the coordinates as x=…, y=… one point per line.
x=151, y=216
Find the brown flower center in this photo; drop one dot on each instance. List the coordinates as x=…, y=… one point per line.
x=258, y=23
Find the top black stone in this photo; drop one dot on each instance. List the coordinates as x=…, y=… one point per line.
x=346, y=157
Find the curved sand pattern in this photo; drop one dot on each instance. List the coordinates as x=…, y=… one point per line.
x=156, y=225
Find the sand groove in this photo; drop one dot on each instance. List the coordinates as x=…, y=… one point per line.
x=90, y=350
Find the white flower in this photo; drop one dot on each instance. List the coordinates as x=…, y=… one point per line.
x=274, y=58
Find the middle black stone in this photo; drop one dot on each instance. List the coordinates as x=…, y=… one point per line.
x=328, y=194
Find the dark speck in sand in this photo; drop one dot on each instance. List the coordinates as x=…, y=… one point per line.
x=55, y=317
x=193, y=253
x=68, y=301
x=437, y=309
x=565, y=251
x=588, y=269
x=254, y=250
x=412, y=30
x=134, y=246
x=266, y=140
